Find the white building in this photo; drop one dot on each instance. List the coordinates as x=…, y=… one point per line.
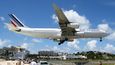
x=65, y=57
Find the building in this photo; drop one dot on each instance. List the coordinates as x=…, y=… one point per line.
x=71, y=57
x=19, y=53
x=47, y=53
x=13, y=52
x=60, y=55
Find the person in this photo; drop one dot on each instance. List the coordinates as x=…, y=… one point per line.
x=33, y=62
x=100, y=63
x=20, y=62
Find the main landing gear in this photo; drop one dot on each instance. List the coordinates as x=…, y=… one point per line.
x=62, y=41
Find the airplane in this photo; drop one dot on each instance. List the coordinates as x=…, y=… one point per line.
x=68, y=31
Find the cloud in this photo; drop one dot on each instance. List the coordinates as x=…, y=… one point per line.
x=73, y=16
x=91, y=45
x=4, y=42
x=73, y=44
x=2, y=18
x=56, y=49
x=109, y=48
x=55, y=18
x=25, y=45
x=49, y=48
x=111, y=36
x=104, y=27
x=36, y=40
x=108, y=29
x=9, y=45
x=59, y=49
x=46, y=48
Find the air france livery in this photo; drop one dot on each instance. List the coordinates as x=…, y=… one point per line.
x=68, y=31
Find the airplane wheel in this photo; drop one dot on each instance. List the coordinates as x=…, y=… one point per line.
x=62, y=41
x=59, y=43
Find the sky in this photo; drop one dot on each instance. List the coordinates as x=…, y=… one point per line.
x=40, y=14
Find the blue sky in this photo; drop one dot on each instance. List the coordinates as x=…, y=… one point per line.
x=39, y=13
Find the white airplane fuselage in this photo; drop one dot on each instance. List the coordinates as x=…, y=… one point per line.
x=68, y=30
x=55, y=33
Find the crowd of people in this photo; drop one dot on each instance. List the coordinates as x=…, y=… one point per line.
x=32, y=62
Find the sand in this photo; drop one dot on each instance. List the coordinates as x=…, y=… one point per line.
x=10, y=63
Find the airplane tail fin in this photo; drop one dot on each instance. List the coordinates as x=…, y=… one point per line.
x=15, y=21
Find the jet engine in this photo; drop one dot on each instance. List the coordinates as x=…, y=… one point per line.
x=56, y=40
x=73, y=25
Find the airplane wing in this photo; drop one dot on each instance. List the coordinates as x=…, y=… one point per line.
x=67, y=32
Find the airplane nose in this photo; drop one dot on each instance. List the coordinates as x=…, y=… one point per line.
x=106, y=34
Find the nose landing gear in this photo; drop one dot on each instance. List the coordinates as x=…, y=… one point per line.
x=100, y=39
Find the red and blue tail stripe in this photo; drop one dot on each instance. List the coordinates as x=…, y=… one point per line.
x=15, y=21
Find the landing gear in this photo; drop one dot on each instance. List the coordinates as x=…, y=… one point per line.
x=62, y=41
x=100, y=39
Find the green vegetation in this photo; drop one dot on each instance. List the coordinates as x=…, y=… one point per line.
x=89, y=62
x=105, y=64
x=94, y=55
x=108, y=64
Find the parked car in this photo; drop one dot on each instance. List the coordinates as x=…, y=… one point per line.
x=43, y=63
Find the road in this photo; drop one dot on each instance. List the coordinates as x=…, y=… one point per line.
x=81, y=63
